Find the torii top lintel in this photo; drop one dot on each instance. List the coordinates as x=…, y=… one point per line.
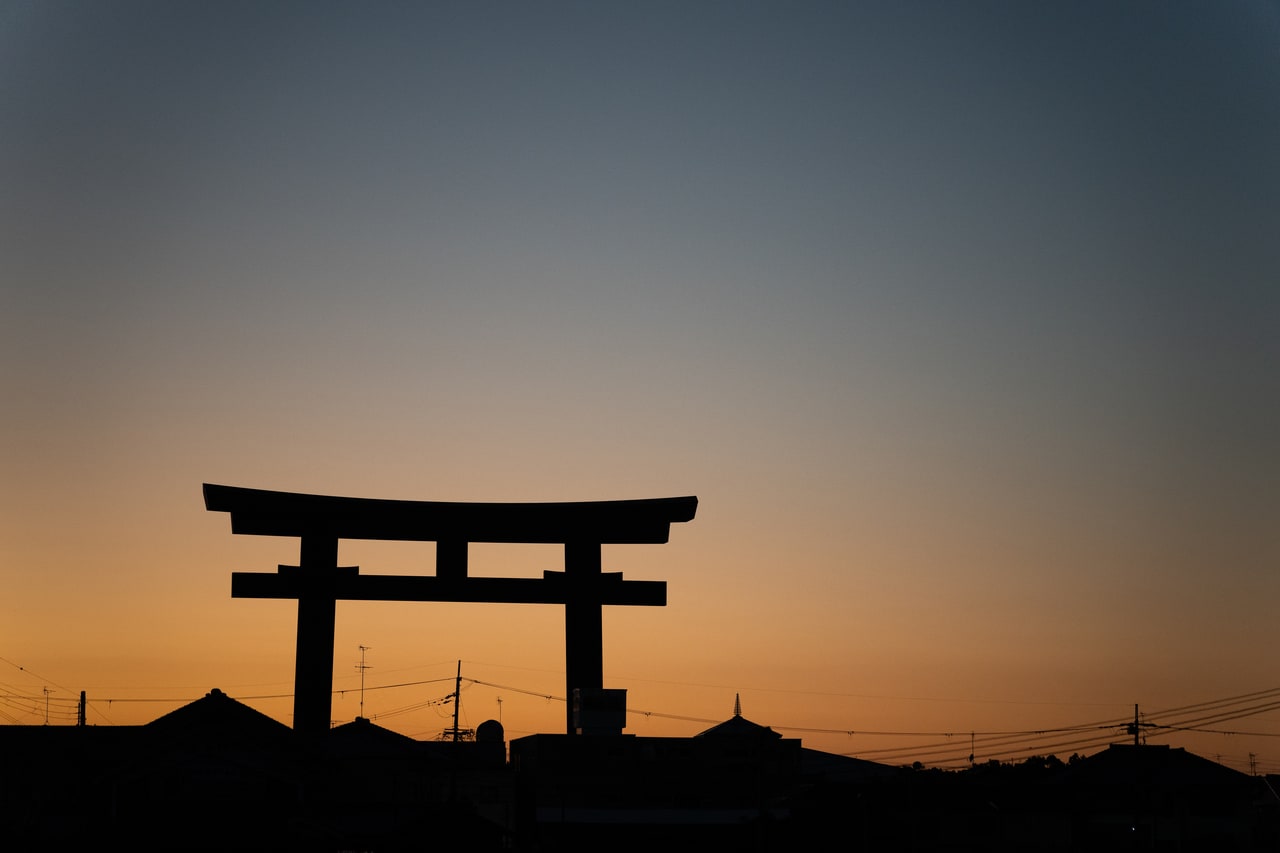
x=269, y=513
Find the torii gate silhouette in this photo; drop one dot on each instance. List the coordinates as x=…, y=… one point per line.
x=319, y=521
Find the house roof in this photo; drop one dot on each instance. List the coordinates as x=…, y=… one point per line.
x=1160, y=764
x=829, y=767
x=739, y=726
x=217, y=716
x=367, y=739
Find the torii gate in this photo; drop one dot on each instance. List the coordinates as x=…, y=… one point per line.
x=319, y=521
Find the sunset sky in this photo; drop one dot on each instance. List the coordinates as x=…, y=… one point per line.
x=961, y=320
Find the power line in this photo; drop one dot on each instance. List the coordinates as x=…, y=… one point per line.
x=21, y=668
x=943, y=748
x=1043, y=742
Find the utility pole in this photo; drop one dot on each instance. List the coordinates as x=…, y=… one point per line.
x=455, y=733
x=362, y=667
x=47, y=691
x=457, y=700
x=80, y=713
x=1135, y=728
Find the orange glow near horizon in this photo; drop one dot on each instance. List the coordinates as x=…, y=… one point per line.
x=837, y=685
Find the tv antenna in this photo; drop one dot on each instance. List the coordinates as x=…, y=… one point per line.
x=362, y=666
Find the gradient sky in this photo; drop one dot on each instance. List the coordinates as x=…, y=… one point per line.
x=962, y=321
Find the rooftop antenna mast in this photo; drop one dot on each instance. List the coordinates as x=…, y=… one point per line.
x=362, y=666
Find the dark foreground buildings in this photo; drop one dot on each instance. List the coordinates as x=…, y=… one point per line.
x=217, y=775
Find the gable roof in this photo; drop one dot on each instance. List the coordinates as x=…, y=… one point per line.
x=218, y=717
x=367, y=739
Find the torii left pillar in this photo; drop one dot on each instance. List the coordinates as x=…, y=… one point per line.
x=317, y=602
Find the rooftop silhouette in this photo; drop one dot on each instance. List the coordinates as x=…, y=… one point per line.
x=216, y=774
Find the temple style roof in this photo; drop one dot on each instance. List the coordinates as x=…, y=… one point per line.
x=739, y=726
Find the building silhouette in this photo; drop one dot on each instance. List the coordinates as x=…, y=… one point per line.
x=218, y=775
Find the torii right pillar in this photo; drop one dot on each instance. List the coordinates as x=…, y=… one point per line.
x=583, y=622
